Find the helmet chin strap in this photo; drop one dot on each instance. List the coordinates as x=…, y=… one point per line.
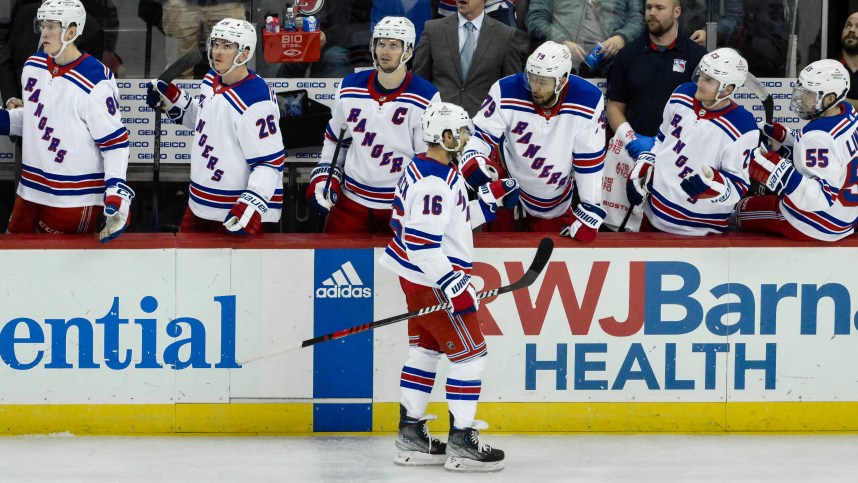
x=234, y=64
x=65, y=43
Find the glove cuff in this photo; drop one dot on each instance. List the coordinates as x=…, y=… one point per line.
x=454, y=283
x=590, y=215
x=321, y=172
x=254, y=201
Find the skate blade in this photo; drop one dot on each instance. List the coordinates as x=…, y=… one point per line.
x=467, y=465
x=419, y=458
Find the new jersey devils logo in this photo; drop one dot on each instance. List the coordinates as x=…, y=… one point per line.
x=309, y=7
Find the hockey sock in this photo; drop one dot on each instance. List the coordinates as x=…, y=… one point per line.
x=417, y=379
x=464, y=383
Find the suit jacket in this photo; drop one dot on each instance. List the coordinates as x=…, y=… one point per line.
x=437, y=59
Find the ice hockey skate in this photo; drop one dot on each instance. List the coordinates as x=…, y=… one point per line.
x=466, y=453
x=415, y=446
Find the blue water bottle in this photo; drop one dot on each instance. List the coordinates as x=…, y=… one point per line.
x=595, y=58
x=290, y=23
x=311, y=24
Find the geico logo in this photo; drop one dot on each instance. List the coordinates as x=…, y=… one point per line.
x=135, y=120
x=183, y=156
x=786, y=119
x=149, y=156
x=173, y=144
x=336, y=85
x=740, y=95
x=188, y=85
x=308, y=155
x=324, y=96
x=139, y=144
x=756, y=108
x=343, y=291
x=142, y=85
x=124, y=85
x=781, y=96
x=6, y=155
x=150, y=132
x=124, y=109
x=277, y=84
x=311, y=85
x=773, y=84
x=132, y=97
x=184, y=132
x=144, y=108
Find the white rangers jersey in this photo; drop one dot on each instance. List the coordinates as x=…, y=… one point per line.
x=689, y=137
x=432, y=221
x=383, y=134
x=542, y=148
x=824, y=204
x=74, y=142
x=237, y=146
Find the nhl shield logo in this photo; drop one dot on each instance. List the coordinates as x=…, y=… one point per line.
x=309, y=7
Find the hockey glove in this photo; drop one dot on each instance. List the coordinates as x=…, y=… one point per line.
x=640, y=179
x=459, y=291
x=503, y=192
x=117, y=202
x=477, y=169
x=773, y=172
x=245, y=216
x=584, y=222
x=706, y=184
x=780, y=133
x=319, y=201
x=175, y=100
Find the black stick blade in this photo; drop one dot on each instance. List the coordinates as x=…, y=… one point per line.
x=181, y=64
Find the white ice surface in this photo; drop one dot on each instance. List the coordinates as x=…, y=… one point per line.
x=574, y=458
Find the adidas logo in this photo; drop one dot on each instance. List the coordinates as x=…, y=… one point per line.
x=344, y=283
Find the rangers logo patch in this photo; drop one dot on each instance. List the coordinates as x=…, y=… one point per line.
x=679, y=65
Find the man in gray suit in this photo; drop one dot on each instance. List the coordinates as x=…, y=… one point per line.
x=464, y=54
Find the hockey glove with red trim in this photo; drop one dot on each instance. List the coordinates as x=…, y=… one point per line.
x=773, y=172
x=503, y=192
x=245, y=216
x=477, y=169
x=117, y=202
x=706, y=184
x=459, y=291
x=780, y=133
x=175, y=100
x=319, y=201
x=640, y=179
x=584, y=222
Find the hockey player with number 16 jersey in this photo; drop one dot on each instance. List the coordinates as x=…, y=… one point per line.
x=432, y=252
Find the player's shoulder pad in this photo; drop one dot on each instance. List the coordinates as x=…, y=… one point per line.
x=421, y=87
x=358, y=79
x=686, y=89
x=834, y=126
x=514, y=87
x=582, y=92
x=426, y=170
x=253, y=90
x=742, y=120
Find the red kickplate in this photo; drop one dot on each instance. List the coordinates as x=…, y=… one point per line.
x=297, y=46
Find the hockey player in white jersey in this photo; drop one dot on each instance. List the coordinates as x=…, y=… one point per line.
x=816, y=192
x=432, y=252
x=381, y=109
x=75, y=147
x=548, y=126
x=237, y=156
x=698, y=169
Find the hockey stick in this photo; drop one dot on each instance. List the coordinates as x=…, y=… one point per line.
x=622, y=227
x=182, y=64
x=757, y=88
x=324, y=218
x=543, y=253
